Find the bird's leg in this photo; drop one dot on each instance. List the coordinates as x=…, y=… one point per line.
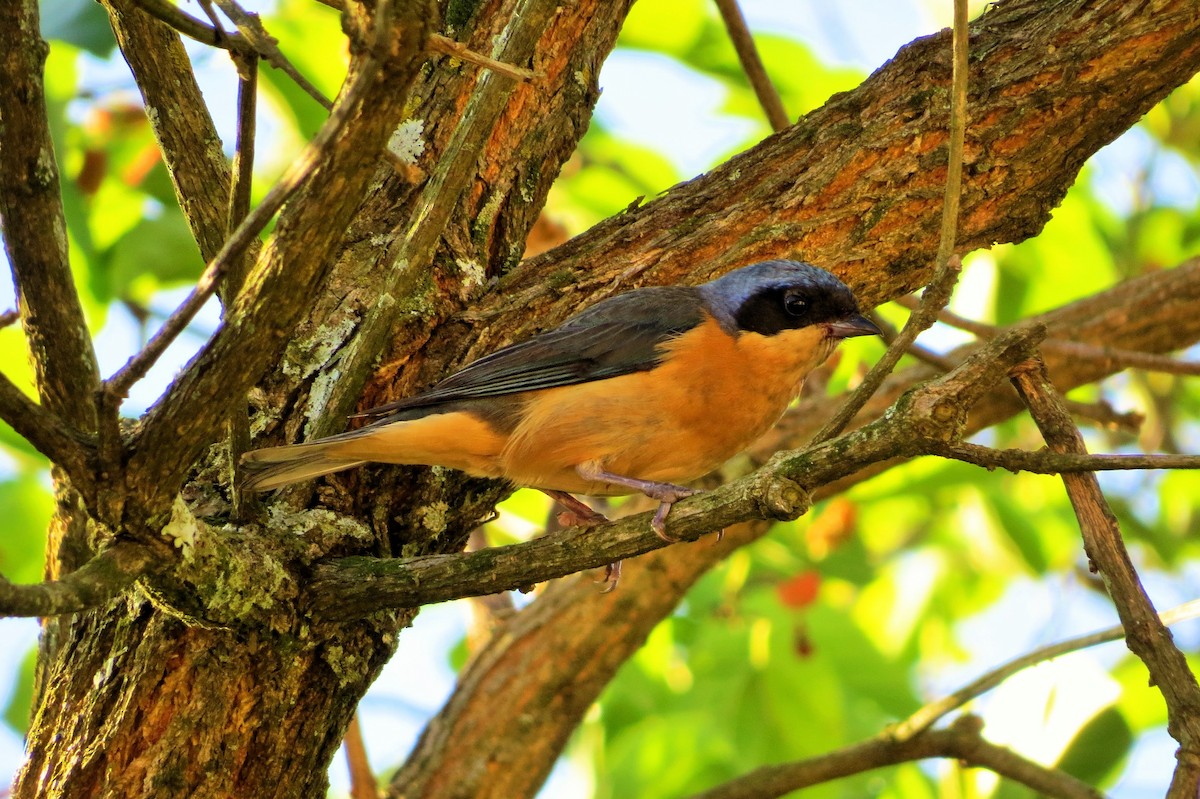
x=578, y=513
x=667, y=494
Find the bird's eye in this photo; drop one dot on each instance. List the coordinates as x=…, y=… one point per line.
x=795, y=305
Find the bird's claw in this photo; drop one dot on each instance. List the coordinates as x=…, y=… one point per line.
x=612, y=575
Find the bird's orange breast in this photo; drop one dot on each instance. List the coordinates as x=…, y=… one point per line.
x=711, y=397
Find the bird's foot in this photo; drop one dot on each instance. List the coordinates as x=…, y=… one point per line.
x=579, y=514
x=667, y=494
x=666, y=500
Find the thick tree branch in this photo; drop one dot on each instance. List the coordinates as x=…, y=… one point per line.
x=91, y=585
x=792, y=188
x=1146, y=635
x=35, y=232
x=962, y=741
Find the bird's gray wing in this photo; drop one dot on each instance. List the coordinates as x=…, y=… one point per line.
x=617, y=336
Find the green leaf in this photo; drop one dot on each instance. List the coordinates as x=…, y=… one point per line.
x=154, y=254
x=1099, y=749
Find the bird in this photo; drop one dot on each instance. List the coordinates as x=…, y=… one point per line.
x=639, y=393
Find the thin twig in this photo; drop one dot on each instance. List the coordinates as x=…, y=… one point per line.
x=1019, y=460
x=1146, y=637
x=97, y=581
x=239, y=206
x=1106, y=416
x=362, y=780
x=936, y=296
x=949, y=265
x=948, y=317
x=444, y=44
x=928, y=715
x=292, y=179
x=752, y=65
x=962, y=741
x=9, y=317
x=253, y=38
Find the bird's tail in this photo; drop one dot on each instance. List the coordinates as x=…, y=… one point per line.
x=273, y=467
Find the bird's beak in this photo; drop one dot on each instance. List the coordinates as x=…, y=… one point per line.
x=853, y=325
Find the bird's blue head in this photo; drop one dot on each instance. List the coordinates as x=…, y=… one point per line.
x=773, y=296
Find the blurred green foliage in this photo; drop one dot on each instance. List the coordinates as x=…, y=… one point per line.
x=830, y=628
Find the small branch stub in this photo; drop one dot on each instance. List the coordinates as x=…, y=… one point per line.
x=783, y=499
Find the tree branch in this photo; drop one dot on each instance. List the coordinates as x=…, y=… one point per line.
x=1019, y=460
x=96, y=582
x=752, y=65
x=363, y=784
x=444, y=44
x=1116, y=358
x=267, y=48
x=1146, y=635
x=239, y=208
x=878, y=239
x=35, y=233
x=195, y=28
x=961, y=741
